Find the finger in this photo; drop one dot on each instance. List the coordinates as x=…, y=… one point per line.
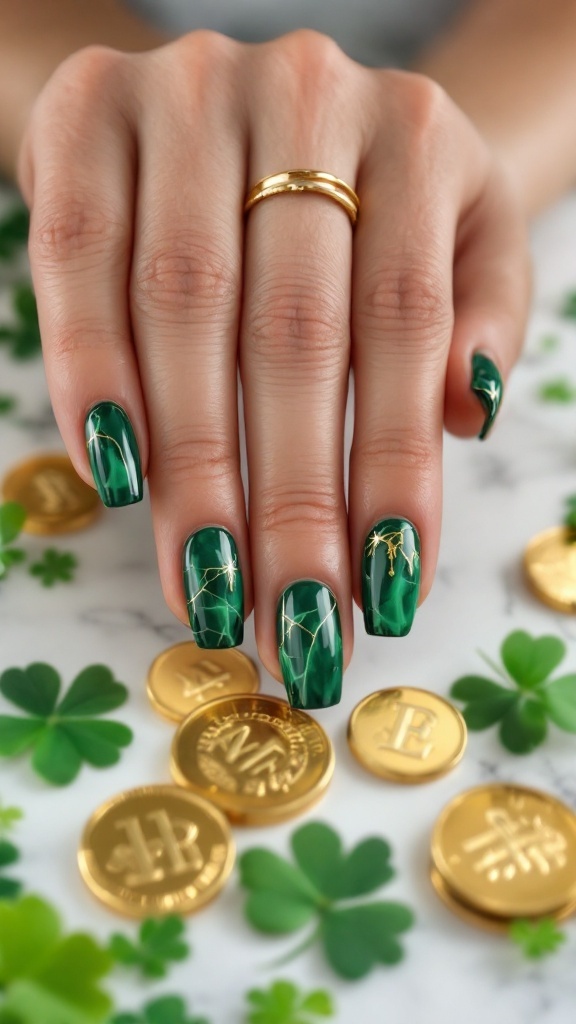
x=80, y=240
x=185, y=307
x=492, y=289
x=402, y=318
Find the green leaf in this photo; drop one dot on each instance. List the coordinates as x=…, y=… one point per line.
x=19, y=734
x=12, y=556
x=23, y=337
x=9, y=853
x=478, y=688
x=9, y=816
x=560, y=701
x=319, y=1002
x=523, y=727
x=159, y=943
x=560, y=390
x=318, y=852
x=14, y=228
x=480, y=715
x=531, y=660
x=281, y=898
x=54, y=566
x=358, y=938
x=536, y=939
x=284, y=1003
x=165, y=1010
x=12, y=519
x=56, y=758
x=568, y=307
x=7, y=404
x=98, y=742
x=93, y=692
x=34, y=689
x=10, y=889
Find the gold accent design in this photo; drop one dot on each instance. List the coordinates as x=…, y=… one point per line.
x=185, y=676
x=407, y=735
x=550, y=567
x=107, y=437
x=305, y=180
x=256, y=758
x=394, y=542
x=229, y=569
x=55, y=498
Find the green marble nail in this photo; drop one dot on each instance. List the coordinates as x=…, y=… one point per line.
x=214, y=588
x=310, y=644
x=390, y=577
x=487, y=384
x=113, y=454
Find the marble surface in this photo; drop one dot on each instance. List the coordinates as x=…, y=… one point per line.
x=497, y=495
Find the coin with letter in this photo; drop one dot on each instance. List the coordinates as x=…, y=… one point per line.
x=407, y=735
x=156, y=850
x=185, y=676
x=257, y=758
x=550, y=566
x=55, y=498
x=507, y=851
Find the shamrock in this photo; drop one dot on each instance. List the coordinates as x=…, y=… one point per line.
x=166, y=1010
x=55, y=565
x=8, y=818
x=7, y=404
x=283, y=897
x=14, y=228
x=12, y=519
x=45, y=977
x=284, y=1003
x=63, y=735
x=570, y=517
x=524, y=710
x=159, y=941
x=24, y=336
x=537, y=939
x=560, y=390
x=9, y=854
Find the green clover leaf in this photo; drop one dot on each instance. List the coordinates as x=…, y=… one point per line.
x=537, y=939
x=159, y=943
x=23, y=337
x=63, y=735
x=9, y=854
x=12, y=519
x=529, y=700
x=284, y=1003
x=7, y=404
x=14, y=228
x=54, y=565
x=8, y=818
x=165, y=1010
x=283, y=898
x=47, y=977
x=560, y=390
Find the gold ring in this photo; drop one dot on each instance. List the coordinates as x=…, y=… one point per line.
x=305, y=181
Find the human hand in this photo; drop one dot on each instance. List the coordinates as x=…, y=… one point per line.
x=151, y=286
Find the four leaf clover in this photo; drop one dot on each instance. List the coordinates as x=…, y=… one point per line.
x=54, y=565
x=23, y=337
x=537, y=939
x=283, y=898
x=12, y=519
x=166, y=1010
x=63, y=735
x=284, y=1003
x=159, y=942
x=529, y=700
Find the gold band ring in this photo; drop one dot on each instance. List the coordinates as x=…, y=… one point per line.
x=304, y=181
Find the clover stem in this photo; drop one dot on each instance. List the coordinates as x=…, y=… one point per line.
x=494, y=666
x=308, y=941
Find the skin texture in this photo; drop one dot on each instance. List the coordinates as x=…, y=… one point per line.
x=152, y=287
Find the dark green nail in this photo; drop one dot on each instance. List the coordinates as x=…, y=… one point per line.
x=487, y=384
x=390, y=577
x=114, y=456
x=214, y=588
x=310, y=644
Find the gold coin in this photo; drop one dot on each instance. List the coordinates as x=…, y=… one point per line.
x=186, y=676
x=156, y=850
x=55, y=498
x=257, y=758
x=407, y=735
x=550, y=565
x=507, y=851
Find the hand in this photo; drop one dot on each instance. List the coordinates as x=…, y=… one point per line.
x=150, y=288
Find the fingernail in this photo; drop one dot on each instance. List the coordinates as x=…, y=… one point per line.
x=390, y=577
x=310, y=644
x=487, y=385
x=113, y=454
x=214, y=588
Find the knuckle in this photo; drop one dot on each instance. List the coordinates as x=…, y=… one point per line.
x=85, y=77
x=410, y=295
x=423, y=101
x=183, y=273
x=397, y=448
x=185, y=457
x=68, y=340
x=299, y=322
x=283, y=507
x=68, y=226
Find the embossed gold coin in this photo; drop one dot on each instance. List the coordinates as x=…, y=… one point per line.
x=55, y=498
x=156, y=850
x=257, y=758
x=185, y=676
x=550, y=566
x=407, y=735
x=507, y=851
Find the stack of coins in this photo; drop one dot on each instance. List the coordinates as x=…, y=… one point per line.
x=550, y=567
x=55, y=498
x=501, y=852
x=407, y=735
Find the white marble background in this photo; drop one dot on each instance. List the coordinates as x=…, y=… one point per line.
x=497, y=495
